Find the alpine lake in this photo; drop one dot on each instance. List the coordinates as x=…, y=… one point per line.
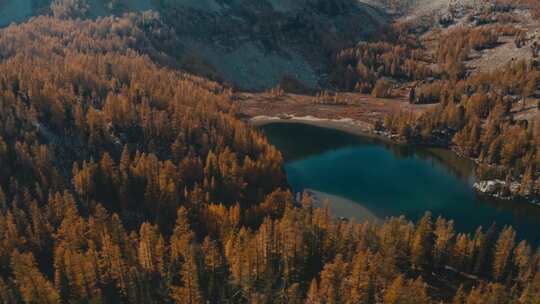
x=382, y=180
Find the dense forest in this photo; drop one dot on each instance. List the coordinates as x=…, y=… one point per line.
x=476, y=113
x=126, y=181
x=475, y=117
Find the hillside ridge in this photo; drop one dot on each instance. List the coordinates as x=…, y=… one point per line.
x=250, y=45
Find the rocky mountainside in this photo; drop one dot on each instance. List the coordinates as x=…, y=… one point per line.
x=250, y=44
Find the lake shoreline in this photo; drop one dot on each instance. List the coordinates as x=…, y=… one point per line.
x=341, y=207
x=389, y=181
x=347, y=125
x=365, y=129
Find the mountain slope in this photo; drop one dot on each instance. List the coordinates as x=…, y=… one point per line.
x=250, y=44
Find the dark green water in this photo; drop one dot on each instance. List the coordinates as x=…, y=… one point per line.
x=392, y=180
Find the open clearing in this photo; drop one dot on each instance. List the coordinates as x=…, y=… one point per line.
x=355, y=107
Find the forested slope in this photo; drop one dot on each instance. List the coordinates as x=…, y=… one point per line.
x=480, y=66
x=249, y=44
x=123, y=181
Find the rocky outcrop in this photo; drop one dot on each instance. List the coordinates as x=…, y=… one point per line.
x=492, y=187
x=504, y=190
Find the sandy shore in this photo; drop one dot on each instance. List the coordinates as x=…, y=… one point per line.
x=342, y=207
x=345, y=124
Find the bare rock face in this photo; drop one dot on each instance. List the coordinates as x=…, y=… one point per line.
x=249, y=44
x=505, y=190
x=490, y=187
x=254, y=44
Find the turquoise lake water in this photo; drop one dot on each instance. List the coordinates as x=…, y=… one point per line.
x=392, y=180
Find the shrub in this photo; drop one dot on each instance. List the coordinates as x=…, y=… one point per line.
x=382, y=89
